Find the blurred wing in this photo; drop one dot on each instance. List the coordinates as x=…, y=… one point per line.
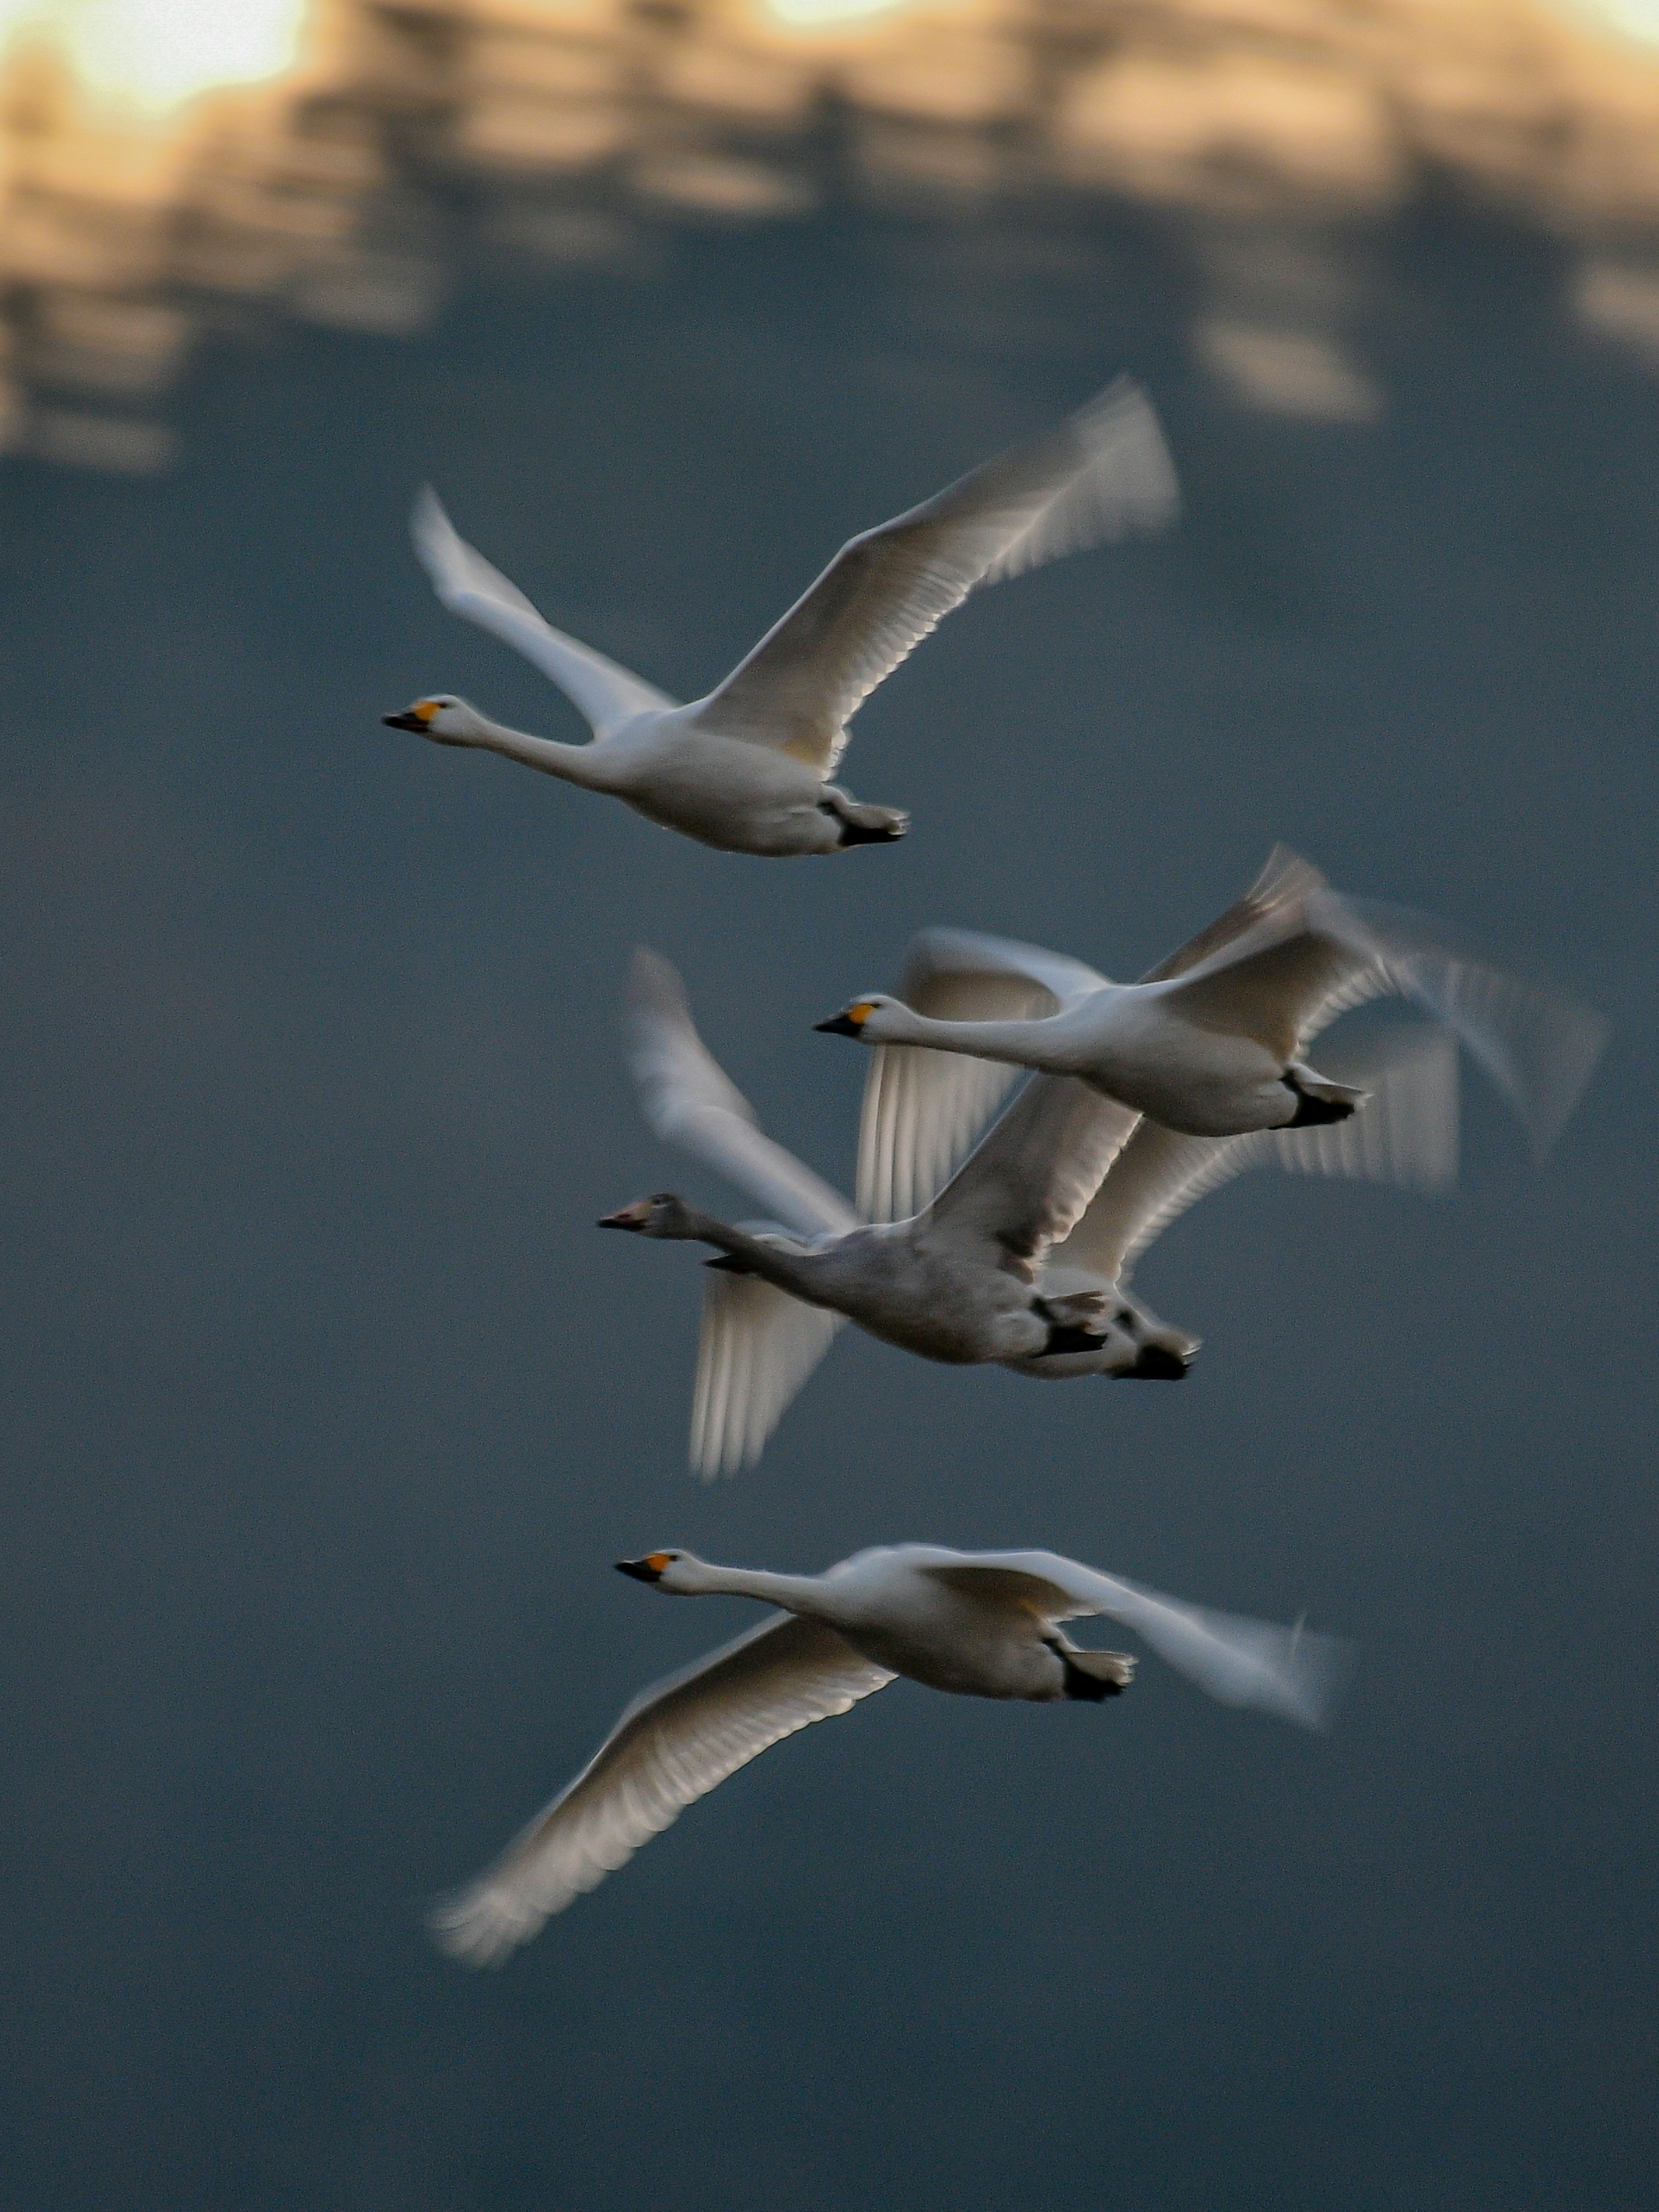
x=923, y=1110
x=1027, y=1184
x=1288, y=1671
x=1285, y=977
x=756, y=1348
x=673, y=1745
x=1293, y=973
x=1286, y=881
x=1539, y=1047
x=1101, y=475
x=466, y=584
x=1405, y=1133
x=688, y=1101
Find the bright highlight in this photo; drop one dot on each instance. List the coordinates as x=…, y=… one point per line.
x=828, y=11
x=154, y=54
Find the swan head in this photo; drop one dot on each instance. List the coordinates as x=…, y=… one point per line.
x=445, y=719
x=670, y=1571
x=872, y=1017
x=664, y=1215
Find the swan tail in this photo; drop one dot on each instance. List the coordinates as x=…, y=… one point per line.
x=1094, y=1676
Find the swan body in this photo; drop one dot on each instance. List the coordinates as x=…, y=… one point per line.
x=1017, y=1254
x=1214, y=1049
x=748, y=767
x=975, y=1624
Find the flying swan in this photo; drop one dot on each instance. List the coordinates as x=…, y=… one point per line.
x=1214, y=1047
x=978, y=1624
x=748, y=768
x=1022, y=1257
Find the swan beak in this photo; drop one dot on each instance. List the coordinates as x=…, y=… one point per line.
x=417, y=718
x=627, y=1217
x=851, y=1023
x=648, y=1570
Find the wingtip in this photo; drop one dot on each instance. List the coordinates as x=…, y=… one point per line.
x=431, y=532
x=1319, y=1670
x=469, y=1927
x=655, y=986
x=1124, y=410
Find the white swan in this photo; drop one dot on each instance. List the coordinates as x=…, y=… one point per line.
x=747, y=769
x=970, y=1276
x=980, y=1624
x=1215, y=1049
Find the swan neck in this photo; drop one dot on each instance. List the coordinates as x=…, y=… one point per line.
x=793, y=1592
x=783, y=1269
x=583, y=764
x=1023, y=1043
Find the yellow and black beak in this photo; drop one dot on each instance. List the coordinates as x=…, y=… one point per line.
x=647, y=1570
x=849, y=1023
x=417, y=718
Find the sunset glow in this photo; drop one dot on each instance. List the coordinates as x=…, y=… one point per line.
x=829, y=11
x=155, y=54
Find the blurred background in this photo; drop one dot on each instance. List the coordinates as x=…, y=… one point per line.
x=327, y=1410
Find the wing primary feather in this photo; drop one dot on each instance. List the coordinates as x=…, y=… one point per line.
x=466, y=585
x=678, y=1741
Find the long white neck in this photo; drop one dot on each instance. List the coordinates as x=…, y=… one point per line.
x=795, y=1593
x=589, y=765
x=1026, y=1044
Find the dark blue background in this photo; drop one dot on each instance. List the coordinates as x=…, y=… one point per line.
x=328, y=1410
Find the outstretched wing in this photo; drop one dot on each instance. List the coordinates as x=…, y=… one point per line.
x=1539, y=1047
x=673, y=1745
x=690, y=1102
x=1101, y=475
x=1289, y=1671
x=923, y=1110
x=1285, y=882
x=1297, y=970
x=467, y=585
x=1027, y=1184
x=1405, y=1133
x=756, y=1347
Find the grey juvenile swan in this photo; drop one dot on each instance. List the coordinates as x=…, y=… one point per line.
x=980, y=1624
x=748, y=768
x=1010, y=1262
x=1214, y=1047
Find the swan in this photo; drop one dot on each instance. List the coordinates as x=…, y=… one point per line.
x=1213, y=1049
x=748, y=768
x=1008, y=1263
x=977, y=1624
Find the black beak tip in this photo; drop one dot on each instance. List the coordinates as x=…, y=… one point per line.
x=641, y=1570
x=837, y=1025
x=403, y=722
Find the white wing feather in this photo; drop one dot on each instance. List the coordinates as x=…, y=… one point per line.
x=1101, y=475
x=924, y=1109
x=689, y=1101
x=1288, y=977
x=466, y=584
x=1405, y=1133
x=1291, y=1671
x=676, y=1743
x=756, y=1347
